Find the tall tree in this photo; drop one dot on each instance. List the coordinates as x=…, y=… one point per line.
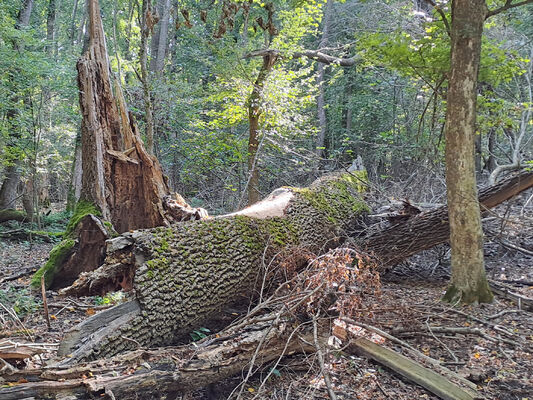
x=148, y=20
x=8, y=191
x=469, y=283
x=321, y=101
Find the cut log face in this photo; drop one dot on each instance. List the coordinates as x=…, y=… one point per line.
x=185, y=274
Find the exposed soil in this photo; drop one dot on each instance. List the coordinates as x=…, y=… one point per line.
x=491, y=344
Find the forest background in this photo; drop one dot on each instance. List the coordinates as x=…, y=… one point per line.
x=189, y=78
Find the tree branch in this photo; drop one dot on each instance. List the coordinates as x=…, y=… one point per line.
x=316, y=55
x=508, y=5
x=442, y=15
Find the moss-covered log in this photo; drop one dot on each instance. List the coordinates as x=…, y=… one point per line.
x=183, y=275
x=10, y=214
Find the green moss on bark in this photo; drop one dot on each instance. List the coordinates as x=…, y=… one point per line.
x=188, y=272
x=58, y=254
x=83, y=208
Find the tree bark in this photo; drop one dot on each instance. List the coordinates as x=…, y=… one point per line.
x=321, y=101
x=121, y=182
x=184, y=275
x=74, y=190
x=145, y=77
x=165, y=373
x=469, y=283
x=428, y=229
x=119, y=177
x=255, y=111
x=163, y=37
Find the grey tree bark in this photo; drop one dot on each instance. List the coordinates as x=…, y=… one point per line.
x=469, y=283
x=321, y=101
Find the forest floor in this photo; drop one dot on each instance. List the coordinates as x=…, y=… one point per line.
x=490, y=345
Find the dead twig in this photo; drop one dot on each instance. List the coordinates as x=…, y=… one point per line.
x=320, y=355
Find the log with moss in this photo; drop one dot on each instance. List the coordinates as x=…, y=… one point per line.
x=183, y=275
x=10, y=214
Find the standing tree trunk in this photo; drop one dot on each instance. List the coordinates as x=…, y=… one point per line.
x=8, y=191
x=254, y=114
x=162, y=38
x=469, y=283
x=74, y=189
x=146, y=27
x=321, y=101
x=121, y=182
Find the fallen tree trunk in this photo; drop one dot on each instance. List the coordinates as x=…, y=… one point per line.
x=185, y=274
x=428, y=229
x=10, y=214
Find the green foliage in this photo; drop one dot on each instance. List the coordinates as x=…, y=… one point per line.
x=20, y=300
x=199, y=334
x=110, y=299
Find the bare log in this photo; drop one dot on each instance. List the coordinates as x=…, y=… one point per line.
x=428, y=229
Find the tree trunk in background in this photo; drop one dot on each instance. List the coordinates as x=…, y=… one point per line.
x=51, y=47
x=155, y=31
x=491, y=161
x=255, y=111
x=72, y=30
x=145, y=77
x=8, y=191
x=74, y=189
x=478, y=152
x=162, y=38
x=321, y=101
x=469, y=283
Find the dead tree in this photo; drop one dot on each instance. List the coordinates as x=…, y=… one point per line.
x=122, y=184
x=185, y=274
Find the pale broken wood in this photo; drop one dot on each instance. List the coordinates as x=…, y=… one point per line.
x=412, y=370
x=11, y=350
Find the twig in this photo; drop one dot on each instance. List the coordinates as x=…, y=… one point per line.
x=45, y=303
x=502, y=313
x=325, y=373
x=442, y=343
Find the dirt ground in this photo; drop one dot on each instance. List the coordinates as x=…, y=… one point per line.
x=490, y=345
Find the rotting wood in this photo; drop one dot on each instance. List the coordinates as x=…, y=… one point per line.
x=154, y=374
